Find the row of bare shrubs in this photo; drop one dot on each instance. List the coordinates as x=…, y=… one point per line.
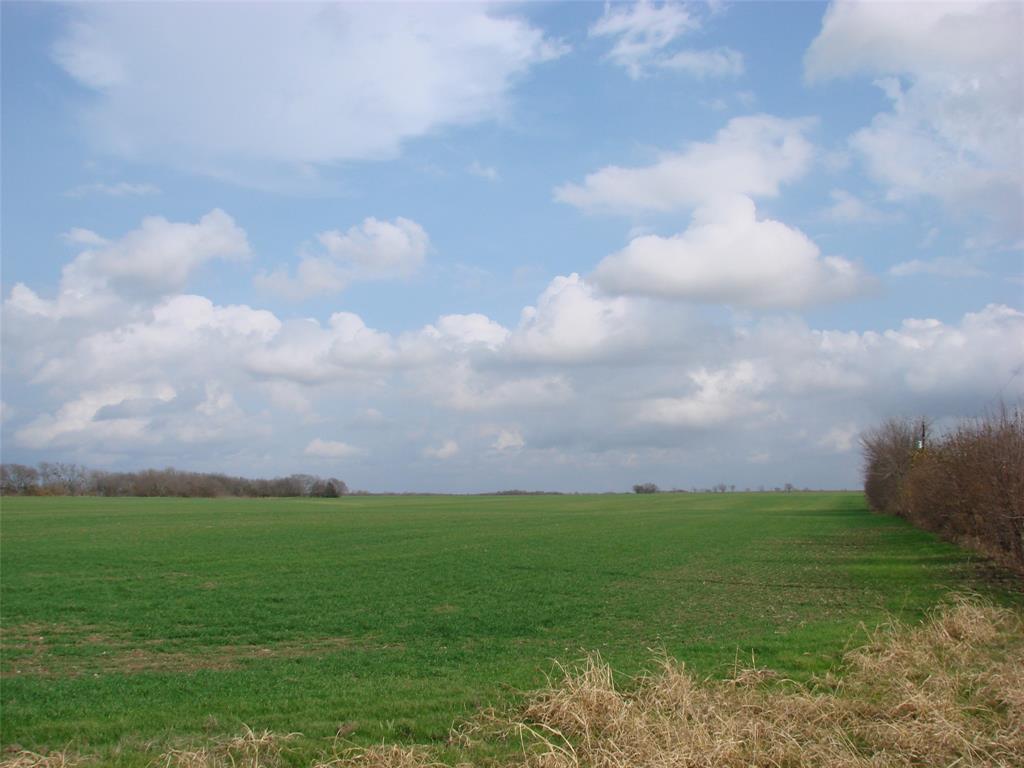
x=966, y=484
x=946, y=692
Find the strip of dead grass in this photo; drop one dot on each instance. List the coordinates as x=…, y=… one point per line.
x=948, y=691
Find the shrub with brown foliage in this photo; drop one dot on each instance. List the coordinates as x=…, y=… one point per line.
x=888, y=454
x=967, y=485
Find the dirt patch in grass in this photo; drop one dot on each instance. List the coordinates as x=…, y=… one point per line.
x=32, y=649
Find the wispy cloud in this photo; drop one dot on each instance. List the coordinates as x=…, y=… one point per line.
x=324, y=82
x=644, y=33
x=116, y=189
x=848, y=207
x=488, y=172
x=940, y=267
x=330, y=449
x=446, y=450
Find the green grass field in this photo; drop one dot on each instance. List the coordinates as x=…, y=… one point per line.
x=135, y=621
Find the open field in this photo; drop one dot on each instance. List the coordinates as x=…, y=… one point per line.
x=128, y=623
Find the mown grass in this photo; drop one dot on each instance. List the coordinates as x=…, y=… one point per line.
x=129, y=623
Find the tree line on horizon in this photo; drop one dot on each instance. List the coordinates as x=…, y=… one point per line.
x=643, y=488
x=62, y=479
x=966, y=484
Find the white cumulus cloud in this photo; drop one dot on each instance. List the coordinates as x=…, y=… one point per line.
x=573, y=322
x=841, y=438
x=373, y=250
x=467, y=331
x=76, y=422
x=459, y=386
x=751, y=155
x=171, y=334
x=508, y=441
x=952, y=73
x=724, y=396
x=156, y=258
x=308, y=352
x=730, y=256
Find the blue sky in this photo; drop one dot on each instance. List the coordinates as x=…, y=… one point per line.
x=468, y=247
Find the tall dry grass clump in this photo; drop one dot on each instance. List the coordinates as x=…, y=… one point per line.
x=966, y=485
x=950, y=692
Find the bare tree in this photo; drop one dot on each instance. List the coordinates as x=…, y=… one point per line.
x=64, y=479
x=17, y=479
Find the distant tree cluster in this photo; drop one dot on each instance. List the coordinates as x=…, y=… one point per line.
x=966, y=485
x=719, y=488
x=58, y=479
x=520, y=492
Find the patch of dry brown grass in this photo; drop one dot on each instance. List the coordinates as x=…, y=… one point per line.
x=947, y=692
x=250, y=749
x=383, y=756
x=23, y=758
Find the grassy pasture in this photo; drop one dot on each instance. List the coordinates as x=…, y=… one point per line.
x=135, y=621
